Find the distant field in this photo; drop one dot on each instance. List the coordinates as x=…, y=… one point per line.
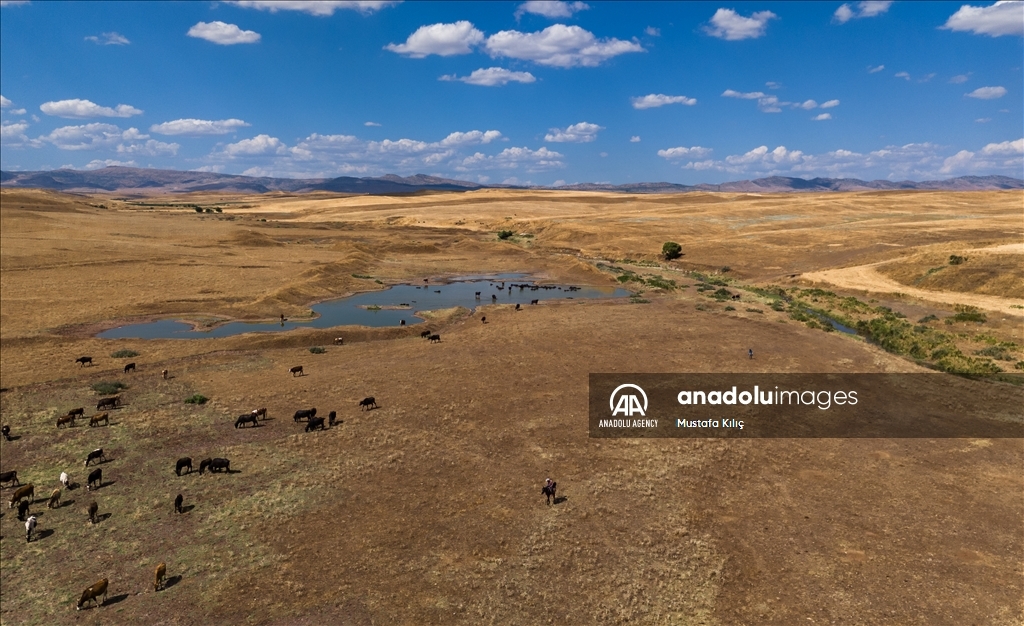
x=428, y=509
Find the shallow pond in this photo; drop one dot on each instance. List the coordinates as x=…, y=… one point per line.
x=383, y=308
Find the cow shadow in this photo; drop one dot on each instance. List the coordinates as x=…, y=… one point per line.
x=14, y=438
x=187, y=508
x=560, y=499
x=64, y=503
x=102, y=517
x=115, y=599
x=171, y=581
x=105, y=483
x=43, y=534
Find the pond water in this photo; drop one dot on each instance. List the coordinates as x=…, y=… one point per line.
x=828, y=320
x=362, y=309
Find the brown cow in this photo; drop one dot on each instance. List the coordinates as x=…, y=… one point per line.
x=54, y=501
x=93, y=510
x=161, y=571
x=66, y=420
x=10, y=477
x=28, y=491
x=297, y=370
x=93, y=592
x=260, y=413
x=100, y=417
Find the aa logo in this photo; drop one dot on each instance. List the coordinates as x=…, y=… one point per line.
x=628, y=404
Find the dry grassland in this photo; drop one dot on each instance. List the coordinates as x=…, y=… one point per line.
x=427, y=510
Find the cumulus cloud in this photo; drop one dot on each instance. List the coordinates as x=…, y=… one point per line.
x=558, y=46
x=577, y=133
x=983, y=120
x=652, y=31
x=674, y=154
x=960, y=78
x=987, y=93
x=471, y=137
x=313, y=7
x=81, y=109
x=1001, y=18
x=13, y=3
x=634, y=139
x=876, y=69
x=731, y=26
x=863, y=9
x=259, y=145
x=514, y=158
x=1004, y=148
x=221, y=33
x=750, y=95
x=767, y=104
x=109, y=39
x=194, y=128
x=492, y=77
x=903, y=75
x=830, y=104
x=370, y=124
x=807, y=105
x=12, y=135
x=550, y=9
x=654, y=100
x=822, y=117
x=440, y=39
x=4, y=102
x=98, y=136
x=96, y=164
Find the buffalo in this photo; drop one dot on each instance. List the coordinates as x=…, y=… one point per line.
x=182, y=464
x=248, y=418
x=317, y=423
x=435, y=339
x=368, y=403
x=129, y=368
x=305, y=414
x=82, y=360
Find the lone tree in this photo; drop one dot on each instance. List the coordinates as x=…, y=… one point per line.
x=671, y=250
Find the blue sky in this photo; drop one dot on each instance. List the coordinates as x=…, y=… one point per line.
x=535, y=92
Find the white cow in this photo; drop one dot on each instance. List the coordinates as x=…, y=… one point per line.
x=30, y=526
x=65, y=480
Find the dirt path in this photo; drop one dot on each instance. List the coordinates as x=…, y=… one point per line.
x=866, y=278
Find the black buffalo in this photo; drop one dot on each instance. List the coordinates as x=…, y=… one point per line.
x=368, y=403
x=304, y=414
x=182, y=464
x=317, y=423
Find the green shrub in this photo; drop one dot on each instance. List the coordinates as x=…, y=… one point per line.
x=108, y=387
x=995, y=352
x=505, y=234
x=722, y=293
x=219, y=210
x=661, y=283
x=363, y=276
x=1019, y=365
x=967, y=313
x=671, y=250
x=199, y=209
x=955, y=259
x=726, y=269
x=750, y=310
x=730, y=308
x=926, y=319
x=317, y=350
x=196, y=399
x=778, y=306
x=123, y=354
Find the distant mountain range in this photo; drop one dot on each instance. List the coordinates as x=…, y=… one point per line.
x=131, y=180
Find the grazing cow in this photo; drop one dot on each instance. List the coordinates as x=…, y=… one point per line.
x=517, y=306
x=339, y=341
x=177, y=503
x=129, y=368
x=248, y=418
x=108, y=403
x=10, y=477
x=260, y=412
x=95, y=455
x=100, y=417
x=82, y=360
x=478, y=295
x=94, y=592
x=79, y=412
x=6, y=430
x=203, y=465
x=65, y=420
x=483, y=320
x=368, y=403
x=425, y=334
x=317, y=423
x=333, y=415
x=93, y=510
x=402, y=323
x=164, y=373
x=435, y=339
x=548, y=490
x=30, y=526
x=161, y=571
x=182, y=463
x=534, y=301
x=215, y=465
x=297, y=370
x=54, y=501
x=23, y=510
x=65, y=480
x=95, y=476
x=304, y=414
x=28, y=491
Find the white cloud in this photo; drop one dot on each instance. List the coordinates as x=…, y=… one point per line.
x=987, y=93
x=767, y=104
x=440, y=39
x=370, y=124
x=224, y=34
x=903, y=75
x=682, y=152
x=217, y=169
x=492, y=77
x=13, y=3
x=875, y=70
x=577, y=133
x=1001, y=18
x=98, y=136
x=983, y=120
x=830, y=104
x=634, y=139
x=750, y=95
x=1006, y=147
x=926, y=78
x=731, y=26
x=559, y=46
x=550, y=9
x=195, y=128
x=864, y=9
x=80, y=109
x=471, y=137
x=315, y=7
x=151, y=147
x=12, y=135
x=773, y=85
x=514, y=158
x=604, y=154
x=822, y=117
x=807, y=105
x=109, y=39
x=652, y=31
x=257, y=146
x=4, y=102
x=960, y=78
x=653, y=100
x=96, y=164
